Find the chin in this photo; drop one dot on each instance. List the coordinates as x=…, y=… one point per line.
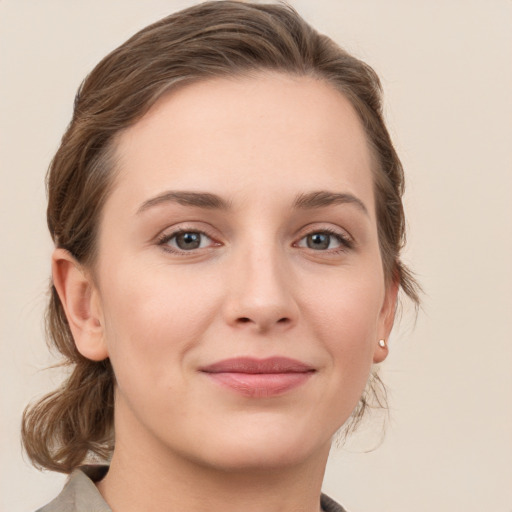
x=257, y=457
x=258, y=448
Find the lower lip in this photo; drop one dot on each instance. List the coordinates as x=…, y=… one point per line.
x=261, y=385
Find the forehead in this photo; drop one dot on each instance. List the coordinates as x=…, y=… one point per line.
x=265, y=133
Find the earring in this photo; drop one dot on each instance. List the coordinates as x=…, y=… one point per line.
x=382, y=343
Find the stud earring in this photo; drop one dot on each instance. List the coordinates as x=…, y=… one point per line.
x=382, y=343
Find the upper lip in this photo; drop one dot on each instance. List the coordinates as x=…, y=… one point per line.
x=253, y=365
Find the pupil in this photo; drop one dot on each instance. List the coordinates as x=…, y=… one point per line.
x=188, y=240
x=318, y=241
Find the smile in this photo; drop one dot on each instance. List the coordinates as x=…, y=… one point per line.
x=259, y=378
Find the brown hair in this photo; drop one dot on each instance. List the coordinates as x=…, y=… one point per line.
x=212, y=39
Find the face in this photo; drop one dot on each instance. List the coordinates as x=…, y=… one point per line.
x=239, y=283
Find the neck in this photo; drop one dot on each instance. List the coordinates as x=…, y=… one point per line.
x=143, y=477
x=127, y=488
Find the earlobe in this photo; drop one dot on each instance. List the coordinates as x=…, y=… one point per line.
x=386, y=320
x=80, y=300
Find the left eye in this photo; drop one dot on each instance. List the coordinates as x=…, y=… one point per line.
x=187, y=240
x=322, y=241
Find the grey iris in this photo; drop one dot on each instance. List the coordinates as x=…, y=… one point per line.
x=318, y=241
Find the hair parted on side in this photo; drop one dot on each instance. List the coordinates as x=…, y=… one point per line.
x=212, y=39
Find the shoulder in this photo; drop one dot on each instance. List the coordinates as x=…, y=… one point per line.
x=329, y=505
x=80, y=493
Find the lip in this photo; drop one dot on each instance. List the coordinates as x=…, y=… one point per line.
x=259, y=378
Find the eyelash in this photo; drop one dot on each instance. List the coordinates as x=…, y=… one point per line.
x=164, y=239
x=346, y=243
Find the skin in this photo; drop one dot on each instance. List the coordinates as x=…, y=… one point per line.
x=254, y=287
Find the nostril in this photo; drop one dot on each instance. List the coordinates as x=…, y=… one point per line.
x=263, y=323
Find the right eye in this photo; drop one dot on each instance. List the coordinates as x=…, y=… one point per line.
x=185, y=241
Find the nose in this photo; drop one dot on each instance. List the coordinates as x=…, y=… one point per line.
x=260, y=292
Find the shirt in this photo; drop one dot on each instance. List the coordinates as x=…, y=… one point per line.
x=80, y=494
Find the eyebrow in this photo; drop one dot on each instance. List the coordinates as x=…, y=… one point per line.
x=324, y=198
x=198, y=199
x=305, y=201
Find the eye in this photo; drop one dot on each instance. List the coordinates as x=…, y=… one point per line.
x=324, y=240
x=185, y=240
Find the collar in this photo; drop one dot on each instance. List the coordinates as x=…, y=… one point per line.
x=80, y=494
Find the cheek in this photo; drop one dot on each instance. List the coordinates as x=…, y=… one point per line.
x=346, y=317
x=343, y=316
x=152, y=319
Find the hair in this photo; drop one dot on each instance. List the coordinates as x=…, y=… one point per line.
x=212, y=39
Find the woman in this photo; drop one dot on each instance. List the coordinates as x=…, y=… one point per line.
x=226, y=209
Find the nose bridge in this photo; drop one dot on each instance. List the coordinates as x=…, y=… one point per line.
x=261, y=287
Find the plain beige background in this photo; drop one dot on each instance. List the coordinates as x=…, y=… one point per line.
x=447, y=72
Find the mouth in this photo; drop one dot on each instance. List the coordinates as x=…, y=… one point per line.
x=259, y=378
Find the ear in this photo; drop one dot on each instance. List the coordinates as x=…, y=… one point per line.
x=81, y=303
x=386, y=320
